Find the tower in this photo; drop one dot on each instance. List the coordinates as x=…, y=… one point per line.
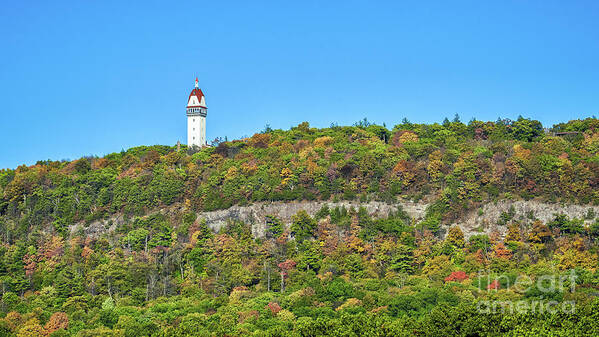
x=196, y=117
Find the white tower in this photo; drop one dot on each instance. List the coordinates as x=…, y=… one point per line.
x=196, y=117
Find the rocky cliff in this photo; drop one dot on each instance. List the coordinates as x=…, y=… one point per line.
x=480, y=221
x=487, y=218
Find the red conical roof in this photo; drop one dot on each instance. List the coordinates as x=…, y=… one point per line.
x=197, y=92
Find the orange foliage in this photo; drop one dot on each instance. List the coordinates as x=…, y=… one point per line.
x=259, y=140
x=501, y=252
x=54, y=248
x=100, y=163
x=30, y=262
x=248, y=315
x=86, y=252
x=404, y=136
x=405, y=170
x=326, y=233
x=58, y=320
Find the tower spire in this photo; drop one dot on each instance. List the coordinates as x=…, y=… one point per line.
x=197, y=85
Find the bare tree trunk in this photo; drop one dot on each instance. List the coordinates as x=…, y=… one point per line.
x=151, y=285
x=164, y=285
x=268, y=278
x=109, y=288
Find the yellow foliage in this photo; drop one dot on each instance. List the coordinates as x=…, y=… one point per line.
x=513, y=233
x=286, y=175
x=408, y=136
x=591, y=142
x=231, y=173
x=13, y=319
x=286, y=315
x=350, y=303
x=455, y=236
x=573, y=258
x=238, y=293
x=307, y=153
x=31, y=328
x=323, y=141
x=434, y=169
x=438, y=267
x=521, y=153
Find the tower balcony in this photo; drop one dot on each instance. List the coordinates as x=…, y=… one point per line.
x=197, y=111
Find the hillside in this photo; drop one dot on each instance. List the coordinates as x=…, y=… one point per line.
x=306, y=232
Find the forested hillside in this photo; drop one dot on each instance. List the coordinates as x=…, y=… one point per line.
x=340, y=272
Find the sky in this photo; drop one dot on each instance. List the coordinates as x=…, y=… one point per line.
x=82, y=78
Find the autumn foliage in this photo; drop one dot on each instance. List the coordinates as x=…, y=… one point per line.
x=134, y=243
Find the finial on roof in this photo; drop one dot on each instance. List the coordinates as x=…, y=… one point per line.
x=197, y=86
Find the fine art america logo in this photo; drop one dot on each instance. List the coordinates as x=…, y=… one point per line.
x=548, y=291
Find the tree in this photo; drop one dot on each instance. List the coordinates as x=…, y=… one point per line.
x=455, y=237
x=58, y=320
x=513, y=233
x=303, y=226
x=456, y=276
x=526, y=129
x=500, y=252
x=31, y=328
x=311, y=256
x=402, y=259
x=274, y=226
x=539, y=233
x=438, y=267
x=479, y=242
x=285, y=267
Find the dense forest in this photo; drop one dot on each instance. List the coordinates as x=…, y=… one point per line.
x=341, y=272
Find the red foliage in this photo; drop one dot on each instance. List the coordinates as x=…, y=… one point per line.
x=479, y=134
x=456, y=276
x=274, y=307
x=494, y=285
x=159, y=250
x=286, y=266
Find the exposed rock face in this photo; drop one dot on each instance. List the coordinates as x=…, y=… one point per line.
x=488, y=219
x=95, y=229
x=483, y=221
x=256, y=213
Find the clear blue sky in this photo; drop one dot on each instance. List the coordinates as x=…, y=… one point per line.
x=94, y=77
